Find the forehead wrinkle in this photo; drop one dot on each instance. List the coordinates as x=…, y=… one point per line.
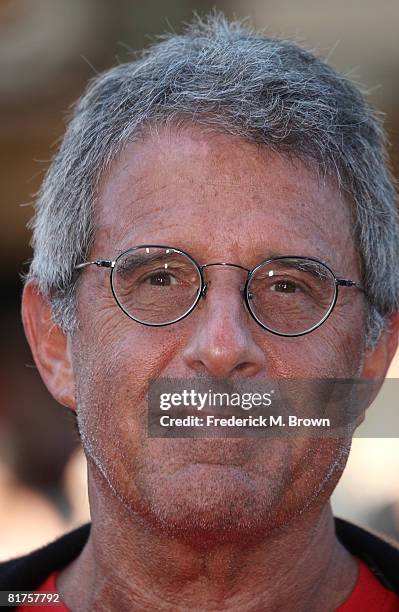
x=108, y=227
x=180, y=232
x=148, y=194
x=304, y=211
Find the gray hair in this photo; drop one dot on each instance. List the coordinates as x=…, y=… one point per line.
x=226, y=77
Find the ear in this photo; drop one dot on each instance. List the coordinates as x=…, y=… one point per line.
x=49, y=345
x=378, y=359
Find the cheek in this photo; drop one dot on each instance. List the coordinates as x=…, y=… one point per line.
x=123, y=357
x=342, y=341
x=122, y=345
x=113, y=363
x=334, y=350
x=114, y=360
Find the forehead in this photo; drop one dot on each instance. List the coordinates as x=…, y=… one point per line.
x=215, y=193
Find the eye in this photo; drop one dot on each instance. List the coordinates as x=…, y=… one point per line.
x=161, y=279
x=285, y=286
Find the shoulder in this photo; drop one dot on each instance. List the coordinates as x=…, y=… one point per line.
x=29, y=571
x=380, y=554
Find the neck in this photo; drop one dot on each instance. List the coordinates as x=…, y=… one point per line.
x=301, y=566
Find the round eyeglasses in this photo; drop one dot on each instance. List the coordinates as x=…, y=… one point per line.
x=159, y=285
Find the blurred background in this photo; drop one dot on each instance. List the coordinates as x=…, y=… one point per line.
x=48, y=51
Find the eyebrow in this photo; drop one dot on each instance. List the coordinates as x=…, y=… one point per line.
x=135, y=259
x=318, y=259
x=259, y=258
x=316, y=268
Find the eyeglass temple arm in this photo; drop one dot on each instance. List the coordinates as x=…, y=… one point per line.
x=346, y=282
x=103, y=263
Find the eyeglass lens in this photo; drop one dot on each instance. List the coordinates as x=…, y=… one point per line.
x=155, y=285
x=290, y=296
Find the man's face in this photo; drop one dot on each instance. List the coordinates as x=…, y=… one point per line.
x=220, y=199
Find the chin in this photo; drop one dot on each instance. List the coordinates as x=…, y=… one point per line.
x=211, y=503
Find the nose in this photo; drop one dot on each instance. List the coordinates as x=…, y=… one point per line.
x=223, y=342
